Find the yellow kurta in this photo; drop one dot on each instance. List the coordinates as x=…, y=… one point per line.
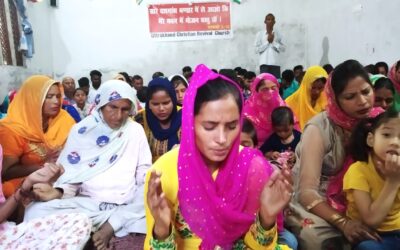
x=167, y=165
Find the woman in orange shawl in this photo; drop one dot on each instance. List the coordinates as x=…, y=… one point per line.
x=34, y=130
x=310, y=98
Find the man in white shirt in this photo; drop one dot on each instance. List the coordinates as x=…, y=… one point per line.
x=268, y=45
x=95, y=78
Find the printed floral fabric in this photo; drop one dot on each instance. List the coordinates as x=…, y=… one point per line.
x=63, y=231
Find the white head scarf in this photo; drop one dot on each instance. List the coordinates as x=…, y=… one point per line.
x=92, y=146
x=181, y=76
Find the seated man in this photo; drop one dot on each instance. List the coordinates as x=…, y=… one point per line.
x=105, y=158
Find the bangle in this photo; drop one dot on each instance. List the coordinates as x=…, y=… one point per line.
x=314, y=204
x=335, y=217
x=338, y=219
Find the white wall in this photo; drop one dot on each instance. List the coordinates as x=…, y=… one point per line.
x=11, y=77
x=112, y=36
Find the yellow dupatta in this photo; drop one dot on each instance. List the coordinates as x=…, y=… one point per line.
x=300, y=101
x=25, y=114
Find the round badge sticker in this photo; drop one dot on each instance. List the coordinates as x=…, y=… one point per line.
x=73, y=158
x=102, y=141
x=82, y=130
x=97, y=99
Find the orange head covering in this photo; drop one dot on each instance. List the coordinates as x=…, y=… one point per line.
x=300, y=101
x=24, y=115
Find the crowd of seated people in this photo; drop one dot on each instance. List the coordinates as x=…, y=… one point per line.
x=204, y=160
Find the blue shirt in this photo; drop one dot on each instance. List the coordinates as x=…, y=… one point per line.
x=274, y=143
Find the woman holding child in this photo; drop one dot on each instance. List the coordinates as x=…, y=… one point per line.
x=263, y=100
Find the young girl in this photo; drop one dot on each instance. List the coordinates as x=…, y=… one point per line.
x=180, y=84
x=383, y=90
x=81, y=105
x=281, y=144
x=372, y=183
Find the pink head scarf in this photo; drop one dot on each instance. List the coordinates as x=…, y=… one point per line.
x=392, y=77
x=220, y=211
x=337, y=115
x=259, y=106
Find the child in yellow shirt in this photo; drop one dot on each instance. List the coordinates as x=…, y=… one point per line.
x=372, y=183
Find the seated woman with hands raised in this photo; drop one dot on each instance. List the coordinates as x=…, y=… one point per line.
x=210, y=192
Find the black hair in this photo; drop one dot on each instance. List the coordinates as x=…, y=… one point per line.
x=214, y=70
x=382, y=64
x=288, y=75
x=249, y=75
x=248, y=128
x=397, y=65
x=127, y=77
x=157, y=74
x=188, y=75
x=282, y=116
x=186, y=69
x=370, y=68
x=83, y=82
x=322, y=79
x=95, y=73
x=230, y=73
x=384, y=83
x=214, y=90
x=177, y=80
x=270, y=14
x=237, y=69
x=328, y=68
x=81, y=89
x=297, y=67
x=150, y=92
x=137, y=77
x=358, y=146
x=345, y=72
x=142, y=94
x=241, y=72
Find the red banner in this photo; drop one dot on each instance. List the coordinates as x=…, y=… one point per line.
x=190, y=21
